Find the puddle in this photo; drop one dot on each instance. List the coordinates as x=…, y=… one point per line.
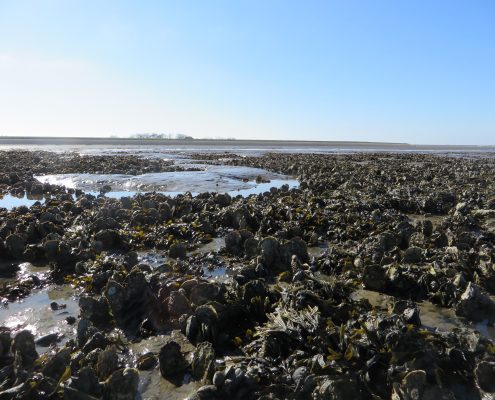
x=432, y=316
x=151, y=383
x=10, y=201
x=34, y=313
x=155, y=259
x=264, y=187
x=153, y=386
x=151, y=258
x=436, y=220
x=23, y=271
x=214, y=246
x=243, y=189
x=317, y=251
x=218, y=273
x=212, y=178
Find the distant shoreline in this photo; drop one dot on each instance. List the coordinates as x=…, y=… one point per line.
x=267, y=144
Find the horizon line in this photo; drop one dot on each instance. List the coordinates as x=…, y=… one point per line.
x=336, y=143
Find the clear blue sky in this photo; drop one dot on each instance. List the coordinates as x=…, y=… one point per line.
x=400, y=71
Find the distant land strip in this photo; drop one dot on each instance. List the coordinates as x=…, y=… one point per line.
x=238, y=143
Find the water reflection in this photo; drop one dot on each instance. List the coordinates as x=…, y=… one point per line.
x=35, y=314
x=10, y=201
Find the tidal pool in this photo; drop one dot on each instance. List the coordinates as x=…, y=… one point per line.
x=10, y=201
x=156, y=258
x=239, y=188
x=211, y=178
x=35, y=314
x=432, y=316
x=21, y=271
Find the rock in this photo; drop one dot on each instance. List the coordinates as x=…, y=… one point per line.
x=387, y=241
x=427, y=227
x=105, y=189
x=234, y=243
x=56, y=366
x=51, y=249
x=440, y=240
x=109, y=238
x=412, y=255
x=374, y=277
x=251, y=247
x=97, y=341
x=146, y=361
x=85, y=382
x=207, y=320
x=85, y=329
x=219, y=379
x=8, y=269
x=172, y=362
x=108, y=362
x=15, y=244
x=223, y=199
x=293, y=247
x=269, y=250
x=178, y=304
x=5, y=340
x=116, y=296
x=474, y=304
x=122, y=385
x=126, y=202
x=409, y=311
x=128, y=299
x=208, y=392
x=485, y=375
x=252, y=289
x=188, y=284
x=74, y=394
x=55, y=306
x=47, y=340
x=177, y=250
x=57, y=251
x=23, y=346
x=203, y=365
x=340, y=388
x=94, y=310
x=204, y=292
x=413, y=385
x=192, y=328
x=131, y=259
x=299, y=375
x=418, y=239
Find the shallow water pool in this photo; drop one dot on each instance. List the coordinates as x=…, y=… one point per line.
x=432, y=316
x=9, y=201
x=34, y=313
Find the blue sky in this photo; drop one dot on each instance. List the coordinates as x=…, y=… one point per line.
x=396, y=71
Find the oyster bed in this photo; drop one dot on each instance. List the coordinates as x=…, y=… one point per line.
x=371, y=277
